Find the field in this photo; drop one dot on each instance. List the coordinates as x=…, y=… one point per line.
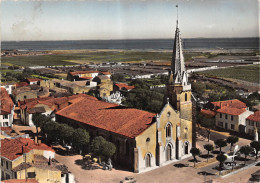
x=247, y=73
x=43, y=60
x=72, y=57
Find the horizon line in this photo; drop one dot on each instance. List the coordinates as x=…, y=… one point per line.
x=129, y=39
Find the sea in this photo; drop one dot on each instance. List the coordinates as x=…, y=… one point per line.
x=134, y=44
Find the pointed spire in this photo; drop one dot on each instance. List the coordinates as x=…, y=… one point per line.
x=178, y=71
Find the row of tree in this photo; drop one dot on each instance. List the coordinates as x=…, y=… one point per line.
x=246, y=150
x=78, y=138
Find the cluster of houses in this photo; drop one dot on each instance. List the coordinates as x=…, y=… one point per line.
x=233, y=115
x=24, y=159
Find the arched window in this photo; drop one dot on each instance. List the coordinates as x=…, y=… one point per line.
x=148, y=160
x=186, y=97
x=168, y=130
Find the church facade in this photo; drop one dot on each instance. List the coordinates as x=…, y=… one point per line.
x=144, y=140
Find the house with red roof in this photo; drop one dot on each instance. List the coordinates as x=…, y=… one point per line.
x=253, y=124
x=46, y=106
x=82, y=75
x=16, y=151
x=32, y=81
x=9, y=86
x=230, y=114
x=23, y=158
x=7, y=109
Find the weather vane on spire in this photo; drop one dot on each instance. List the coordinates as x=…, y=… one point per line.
x=177, y=14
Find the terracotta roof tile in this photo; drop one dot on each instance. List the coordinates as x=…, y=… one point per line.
x=12, y=148
x=124, y=85
x=231, y=111
x=6, y=102
x=208, y=113
x=106, y=73
x=230, y=103
x=33, y=79
x=111, y=117
x=21, y=84
x=254, y=117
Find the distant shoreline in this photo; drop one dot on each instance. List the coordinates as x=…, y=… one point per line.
x=134, y=44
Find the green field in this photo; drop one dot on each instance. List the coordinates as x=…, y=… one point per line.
x=71, y=58
x=247, y=73
x=42, y=60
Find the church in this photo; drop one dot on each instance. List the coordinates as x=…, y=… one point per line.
x=144, y=140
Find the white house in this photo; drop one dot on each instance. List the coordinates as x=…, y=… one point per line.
x=7, y=109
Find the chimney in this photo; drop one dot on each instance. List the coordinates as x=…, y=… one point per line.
x=22, y=150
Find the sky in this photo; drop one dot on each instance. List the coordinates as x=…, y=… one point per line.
x=127, y=19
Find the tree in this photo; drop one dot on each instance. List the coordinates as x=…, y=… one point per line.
x=101, y=147
x=208, y=123
x=221, y=158
x=109, y=149
x=97, y=146
x=232, y=140
x=246, y=150
x=220, y=143
x=195, y=152
x=80, y=139
x=256, y=146
x=208, y=147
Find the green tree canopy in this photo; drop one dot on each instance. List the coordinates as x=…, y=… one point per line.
x=246, y=150
x=221, y=143
x=195, y=152
x=256, y=146
x=208, y=147
x=232, y=140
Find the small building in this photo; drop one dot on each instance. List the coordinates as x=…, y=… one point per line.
x=82, y=75
x=9, y=86
x=16, y=151
x=253, y=123
x=230, y=114
x=7, y=109
x=27, y=92
x=32, y=81
x=46, y=106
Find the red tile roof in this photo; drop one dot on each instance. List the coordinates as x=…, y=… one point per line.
x=208, y=113
x=106, y=73
x=53, y=103
x=33, y=79
x=21, y=84
x=230, y=103
x=254, y=117
x=231, y=111
x=6, y=102
x=232, y=107
x=124, y=85
x=12, y=148
x=125, y=121
x=82, y=72
x=20, y=181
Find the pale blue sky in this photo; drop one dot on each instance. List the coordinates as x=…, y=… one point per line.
x=125, y=19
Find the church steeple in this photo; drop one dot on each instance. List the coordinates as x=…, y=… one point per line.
x=178, y=73
x=178, y=90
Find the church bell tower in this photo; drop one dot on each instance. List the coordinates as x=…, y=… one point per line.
x=178, y=89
